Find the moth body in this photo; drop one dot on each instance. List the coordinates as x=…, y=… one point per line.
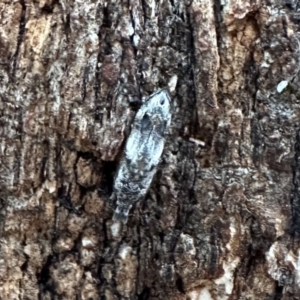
x=142, y=153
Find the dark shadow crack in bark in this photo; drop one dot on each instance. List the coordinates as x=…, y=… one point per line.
x=22, y=28
x=295, y=200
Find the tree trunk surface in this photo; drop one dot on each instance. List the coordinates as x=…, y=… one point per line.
x=222, y=217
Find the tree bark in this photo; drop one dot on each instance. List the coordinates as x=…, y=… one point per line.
x=222, y=217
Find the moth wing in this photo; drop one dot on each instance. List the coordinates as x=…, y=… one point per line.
x=156, y=151
x=133, y=145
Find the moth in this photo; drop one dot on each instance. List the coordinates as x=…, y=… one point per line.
x=142, y=153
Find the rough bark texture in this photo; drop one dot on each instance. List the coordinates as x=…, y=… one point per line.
x=222, y=218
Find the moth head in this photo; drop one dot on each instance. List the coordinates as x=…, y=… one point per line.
x=155, y=113
x=157, y=106
x=159, y=103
